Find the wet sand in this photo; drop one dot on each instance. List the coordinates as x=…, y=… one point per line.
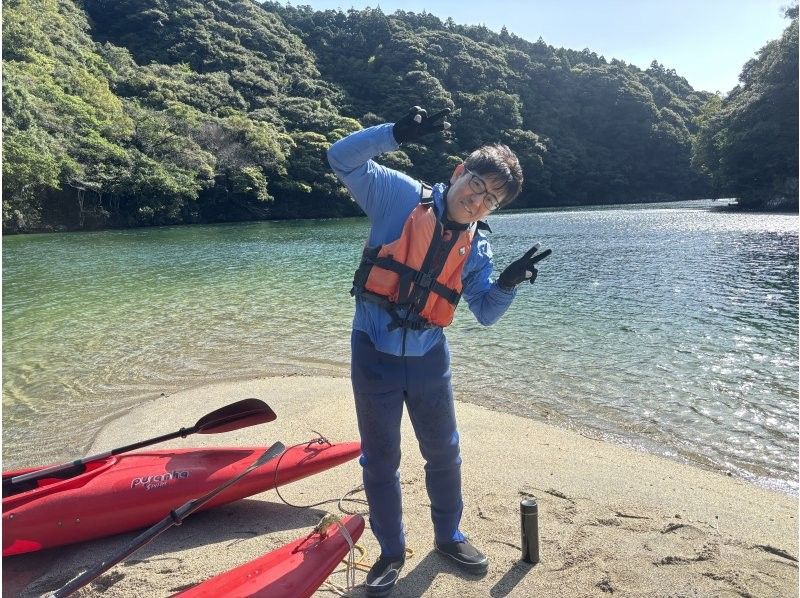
x=612, y=520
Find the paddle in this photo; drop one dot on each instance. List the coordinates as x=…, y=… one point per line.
x=247, y=412
x=175, y=517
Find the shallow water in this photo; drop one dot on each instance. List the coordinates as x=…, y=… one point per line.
x=669, y=327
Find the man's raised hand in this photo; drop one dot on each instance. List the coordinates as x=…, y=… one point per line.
x=522, y=269
x=417, y=124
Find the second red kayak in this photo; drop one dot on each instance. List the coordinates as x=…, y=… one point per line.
x=132, y=491
x=293, y=571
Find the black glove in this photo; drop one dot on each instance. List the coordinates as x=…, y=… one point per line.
x=522, y=269
x=417, y=123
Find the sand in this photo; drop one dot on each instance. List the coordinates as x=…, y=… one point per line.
x=612, y=520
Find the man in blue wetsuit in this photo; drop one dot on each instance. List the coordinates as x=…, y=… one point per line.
x=425, y=249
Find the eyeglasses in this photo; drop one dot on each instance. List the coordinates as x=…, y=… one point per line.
x=478, y=186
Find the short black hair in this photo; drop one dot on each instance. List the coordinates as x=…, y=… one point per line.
x=499, y=162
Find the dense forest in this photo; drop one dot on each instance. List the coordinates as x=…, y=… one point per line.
x=149, y=112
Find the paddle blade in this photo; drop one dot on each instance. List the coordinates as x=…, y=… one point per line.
x=248, y=412
x=272, y=452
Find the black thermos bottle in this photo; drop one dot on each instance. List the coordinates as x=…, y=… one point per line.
x=529, y=515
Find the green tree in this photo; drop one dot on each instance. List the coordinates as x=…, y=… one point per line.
x=749, y=140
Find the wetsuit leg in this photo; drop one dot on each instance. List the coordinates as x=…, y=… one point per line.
x=430, y=407
x=378, y=380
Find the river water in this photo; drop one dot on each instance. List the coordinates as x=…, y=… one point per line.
x=671, y=327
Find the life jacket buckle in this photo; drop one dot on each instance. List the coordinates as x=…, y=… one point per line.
x=423, y=279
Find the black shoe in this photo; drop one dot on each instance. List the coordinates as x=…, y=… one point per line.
x=465, y=555
x=383, y=575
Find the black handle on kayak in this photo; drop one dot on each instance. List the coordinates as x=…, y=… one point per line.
x=175, y=517
x=247, y=412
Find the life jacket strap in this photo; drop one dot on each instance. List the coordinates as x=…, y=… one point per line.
x=425, y=280
x=411, y=321
x=362, y=272
x=425, y=194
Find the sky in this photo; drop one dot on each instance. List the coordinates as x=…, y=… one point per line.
x=705, y=41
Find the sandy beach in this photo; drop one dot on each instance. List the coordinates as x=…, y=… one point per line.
x=612, y=520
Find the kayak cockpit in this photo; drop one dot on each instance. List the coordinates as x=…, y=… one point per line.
x=75, y=476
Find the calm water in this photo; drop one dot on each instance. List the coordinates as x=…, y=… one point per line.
x=671, y=327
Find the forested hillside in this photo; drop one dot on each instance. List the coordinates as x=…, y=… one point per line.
x=749, y=140
x=147, y=112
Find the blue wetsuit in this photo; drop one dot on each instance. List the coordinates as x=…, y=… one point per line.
x=390, y=368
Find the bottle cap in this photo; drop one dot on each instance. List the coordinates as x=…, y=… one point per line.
x=529, y=505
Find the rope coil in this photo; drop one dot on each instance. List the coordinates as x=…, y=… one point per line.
x=320, y=439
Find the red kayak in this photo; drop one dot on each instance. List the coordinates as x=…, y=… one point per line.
x=293, y=571
x=130, y=491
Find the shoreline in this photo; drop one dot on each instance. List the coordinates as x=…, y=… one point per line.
x=311, y=369
x=611, y=518
x=647, y=446
x=715, y=205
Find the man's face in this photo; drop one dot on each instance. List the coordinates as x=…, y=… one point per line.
x=471, y=196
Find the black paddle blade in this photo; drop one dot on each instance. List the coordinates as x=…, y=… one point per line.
x=248, y=412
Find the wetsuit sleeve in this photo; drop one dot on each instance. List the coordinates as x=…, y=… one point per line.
x=485, y=298
x=374, y=187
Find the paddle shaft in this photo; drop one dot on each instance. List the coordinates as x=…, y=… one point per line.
x=175, y=517
x=39, y=474
x=96, y=571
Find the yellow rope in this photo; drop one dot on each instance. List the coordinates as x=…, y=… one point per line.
x=321, y=528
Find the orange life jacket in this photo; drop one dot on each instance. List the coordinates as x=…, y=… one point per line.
x=419, y=272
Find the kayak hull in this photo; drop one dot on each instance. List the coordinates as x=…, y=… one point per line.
x=131, y=491
x=295, y=570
